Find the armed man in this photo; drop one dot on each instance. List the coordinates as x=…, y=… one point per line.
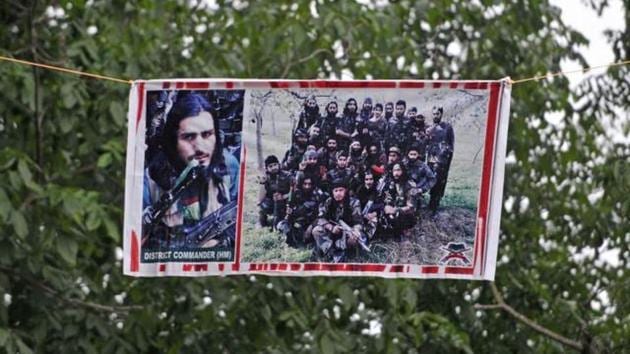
x=399, y=199
x=419, y=172
x=310, y=168
x=345, y=126
x=367, y=191
x=309, y=114
x=389, y=111
x=362, y=132
x=356, y=157
x=397, y=131
x=188, y=183
x=302, y=211
x=341, y=171
x=439, y=155
x=377, y=126
x=393, y=156
x=376, y=160
x=277, y=185
x=419, y=135
x=327, y=123
x=294, y=155
x=315, y=137
x=339, y=226
x=328, y=154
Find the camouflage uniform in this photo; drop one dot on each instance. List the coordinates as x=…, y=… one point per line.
x=308, y=117
x=422, y=176
x=399, y=195
x=293, y=157
x=377, y=130
x=346, y=125
x=420, y=138
x=276, y=183
x=397, y=135
x=327, y=126
x=335, y=174
x=332, y=212
x=439, y=156
x=304, y=208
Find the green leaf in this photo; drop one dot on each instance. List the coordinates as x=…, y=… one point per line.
x=4, y=336
x=93, y=220
x=5, y=205
x=113, y=231
x=118, y=113
x=68, y=95
x=104, y=160
x=22, y=347
x=410, y=297
x=327, y=345
x=346, y=295
x=19, y=224
x=24, y=171
x=67, y=249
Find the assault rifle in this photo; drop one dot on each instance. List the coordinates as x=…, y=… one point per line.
x=154, y=213
x=222, y=222
x=367, y=207
x=361, y=238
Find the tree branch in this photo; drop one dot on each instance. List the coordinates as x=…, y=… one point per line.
x=35, y=283
x=302, y=60
x=502, y=305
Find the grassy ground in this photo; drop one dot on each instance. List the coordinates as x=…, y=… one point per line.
x=454, y=223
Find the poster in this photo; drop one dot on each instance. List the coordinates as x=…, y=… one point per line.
x=305, y=178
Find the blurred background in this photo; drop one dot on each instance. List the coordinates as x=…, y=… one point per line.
x=563, y=253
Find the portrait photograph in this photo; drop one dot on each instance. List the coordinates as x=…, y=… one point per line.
x=191, y=175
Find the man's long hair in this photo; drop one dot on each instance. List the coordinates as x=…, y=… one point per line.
x=188, y=105
x=330, y=104
x=346, y=111
x=404, y=177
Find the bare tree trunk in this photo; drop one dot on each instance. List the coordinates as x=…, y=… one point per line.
x=273, y=124
x=259, y=152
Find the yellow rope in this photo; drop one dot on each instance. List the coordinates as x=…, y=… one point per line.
x=129, y=82
x=58, y=68
x=540, y=77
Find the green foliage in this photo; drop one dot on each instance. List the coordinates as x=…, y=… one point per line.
x=62, y=170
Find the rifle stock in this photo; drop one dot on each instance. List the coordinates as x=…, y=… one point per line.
x=361, y=239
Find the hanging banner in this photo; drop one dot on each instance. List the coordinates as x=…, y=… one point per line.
x=301, y=178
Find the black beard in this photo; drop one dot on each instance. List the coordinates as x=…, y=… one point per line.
x=437, y=120
x=388, y=115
